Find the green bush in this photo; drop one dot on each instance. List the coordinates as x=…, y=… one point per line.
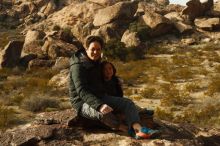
x=56, y=28
x=37, y=104
x=141, y=29
x=115, y=49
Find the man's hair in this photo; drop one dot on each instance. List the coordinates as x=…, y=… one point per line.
x=93, y=38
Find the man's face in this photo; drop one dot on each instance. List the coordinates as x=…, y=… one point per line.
x=94, y=51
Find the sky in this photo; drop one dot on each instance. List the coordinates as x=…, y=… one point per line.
x=182, y=2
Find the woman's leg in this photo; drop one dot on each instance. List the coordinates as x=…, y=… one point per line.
x=125, y=106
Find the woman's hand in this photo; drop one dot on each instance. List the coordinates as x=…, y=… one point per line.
x=104, y=109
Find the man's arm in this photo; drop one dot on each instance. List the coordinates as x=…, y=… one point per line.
x=78, y=75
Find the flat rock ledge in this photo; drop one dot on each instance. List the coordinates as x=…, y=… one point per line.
x=63, y=128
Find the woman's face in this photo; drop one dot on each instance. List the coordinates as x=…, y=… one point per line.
x=108, y=71
x=94, y=51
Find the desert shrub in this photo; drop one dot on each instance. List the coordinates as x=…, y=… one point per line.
x=184, y=61
x=56, y=28
x=141, y=29
x=175, y=97
x=57, y=2
x=164, y=114
x=65, y=105
x=148, y=92
x=156, y=50
x=6, y=116
x=206, y=114
x=214, y=86
x=192, y=87
x=41, y=73
x=115, y=49
x=128, y=92
x=131, y=71
x=17, y=99
x=39, y=103
x=180, y=73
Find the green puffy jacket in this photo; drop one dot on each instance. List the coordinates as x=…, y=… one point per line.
x=86, y=85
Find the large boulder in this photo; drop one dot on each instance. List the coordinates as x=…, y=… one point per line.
x=122, y=11
x=10, y=55
x=163, y=2
x=159, y=24
x=25, y=9
x=215, y=11
x=208, y=23
x=81, y=30
x=108, y=32
x=130, y=39
x=103, y=2
x=178, y=22
x=40, y=63
x=174, y=16
x=61, y=63
x=57, y=48
x=49, y=8
x=60, y=80
x=182, y=27
x=195, y=8
x=33, y=42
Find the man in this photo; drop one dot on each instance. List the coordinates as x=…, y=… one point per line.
x=87, y=94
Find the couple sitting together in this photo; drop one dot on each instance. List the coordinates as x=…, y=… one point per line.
x=96, y=93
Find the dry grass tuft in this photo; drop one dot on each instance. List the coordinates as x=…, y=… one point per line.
x=39, y=103
x=214, y=86
x=164, y=114
x=175, y=97
x=148, y=92
x=6, y=116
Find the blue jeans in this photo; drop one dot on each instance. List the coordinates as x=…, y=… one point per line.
x=119, y=104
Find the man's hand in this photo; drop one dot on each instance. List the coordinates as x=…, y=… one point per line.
x=104, y=109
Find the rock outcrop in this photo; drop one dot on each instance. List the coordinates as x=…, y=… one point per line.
x=64, y=128
x=10, y=55
x=207, y=23
x=196, y=9
x=122, y=11
x=159, y=24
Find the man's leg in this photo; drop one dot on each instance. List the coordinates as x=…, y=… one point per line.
x=90, y=113
x=109, y=119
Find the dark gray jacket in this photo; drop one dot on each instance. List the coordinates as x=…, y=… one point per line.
x=86, y=84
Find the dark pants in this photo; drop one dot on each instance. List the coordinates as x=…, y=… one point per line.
x=119, y=104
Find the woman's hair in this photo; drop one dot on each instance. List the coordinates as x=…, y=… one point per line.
x=93, y=38
x=113, y=67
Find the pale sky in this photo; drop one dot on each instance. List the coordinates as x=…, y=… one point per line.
x=182, y=2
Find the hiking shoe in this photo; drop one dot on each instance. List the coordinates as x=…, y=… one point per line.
x=144, y=133
x=150, y=133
